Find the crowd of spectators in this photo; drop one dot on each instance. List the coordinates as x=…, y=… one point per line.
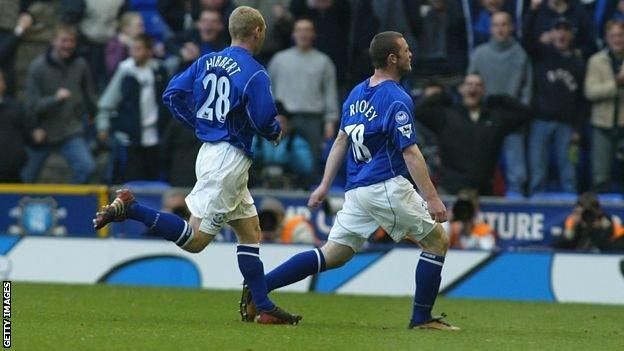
x=504, y=89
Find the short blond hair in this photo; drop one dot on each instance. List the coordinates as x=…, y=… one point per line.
x=243, y=21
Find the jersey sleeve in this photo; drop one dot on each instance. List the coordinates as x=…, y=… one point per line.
x=399, y=124
x=260, y=106
x=178, y=96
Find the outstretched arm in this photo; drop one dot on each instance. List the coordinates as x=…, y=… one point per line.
x=333, y=164
x=418, y=170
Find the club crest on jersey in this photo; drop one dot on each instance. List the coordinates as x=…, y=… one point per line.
x=406, y=130
x=401, y=117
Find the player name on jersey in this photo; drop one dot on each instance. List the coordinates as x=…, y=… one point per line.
x=227, y=63
x=364, y=107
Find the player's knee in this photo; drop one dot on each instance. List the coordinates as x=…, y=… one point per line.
x=336, y=255
x=444, y=241
x=335, y=262
x=437, y=241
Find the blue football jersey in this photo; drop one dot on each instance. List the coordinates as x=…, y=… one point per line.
x=225, y=96
x=380, y=125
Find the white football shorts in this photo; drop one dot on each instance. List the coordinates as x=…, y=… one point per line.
x=220, y=194
x=392, y=204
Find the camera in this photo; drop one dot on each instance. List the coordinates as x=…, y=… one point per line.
x=591, y=210
x=463, y=210
x=590, y=215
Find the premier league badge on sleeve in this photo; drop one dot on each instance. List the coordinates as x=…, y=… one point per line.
x=406, y=130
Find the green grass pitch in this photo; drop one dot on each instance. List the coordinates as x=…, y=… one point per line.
x=101, y=317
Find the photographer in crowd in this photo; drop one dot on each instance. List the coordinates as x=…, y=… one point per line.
x=466, y=228
x=590, y=228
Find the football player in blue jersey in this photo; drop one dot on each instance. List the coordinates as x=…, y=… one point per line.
x=226, y=98
x=377, y=135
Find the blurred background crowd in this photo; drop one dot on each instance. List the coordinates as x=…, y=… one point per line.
x=513, y=97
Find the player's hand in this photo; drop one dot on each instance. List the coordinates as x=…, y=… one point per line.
x=62, y=94
x=437, y=210
x=277, y=140
x=535, y=4
x=317, y=197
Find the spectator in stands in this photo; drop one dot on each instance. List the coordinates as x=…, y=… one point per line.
x=97, y=23
x=590, y=228
x=466, y=228
x=542, y=15
x=289, y=165
x=132, y=111
x=604, y=84
x=179, y=151
x=331, y=19
x=155, y=25
x=60, y=92
x=482, y=22
x=178, y=13
x=505, y=68
x=559, y=75
x=427, y=139
x=14, y=130
x=130, y=25
x=9, y=42
x=36, y=40
x=224, y=7
x=279, y=22
x=304, y=80
x=470, y=133
x=204, y=38
x=442, y=48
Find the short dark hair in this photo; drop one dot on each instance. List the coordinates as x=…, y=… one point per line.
x=145, y=39
x=382, y=45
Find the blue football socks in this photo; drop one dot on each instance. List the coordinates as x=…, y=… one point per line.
x=253, y=271
x=427, y=285
x=295, y=269
x=167, y=225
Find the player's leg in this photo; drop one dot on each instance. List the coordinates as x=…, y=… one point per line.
x=186, y=235
x=398, y=208
x=248, y=252
x=339, y=249
x=342, y=244
x=428, y=278
x=331, y=255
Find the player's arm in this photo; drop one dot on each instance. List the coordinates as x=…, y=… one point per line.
x=399, y=126
x=333, y=164
x=418, y=170
x=178, y=96
x=261, y=108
